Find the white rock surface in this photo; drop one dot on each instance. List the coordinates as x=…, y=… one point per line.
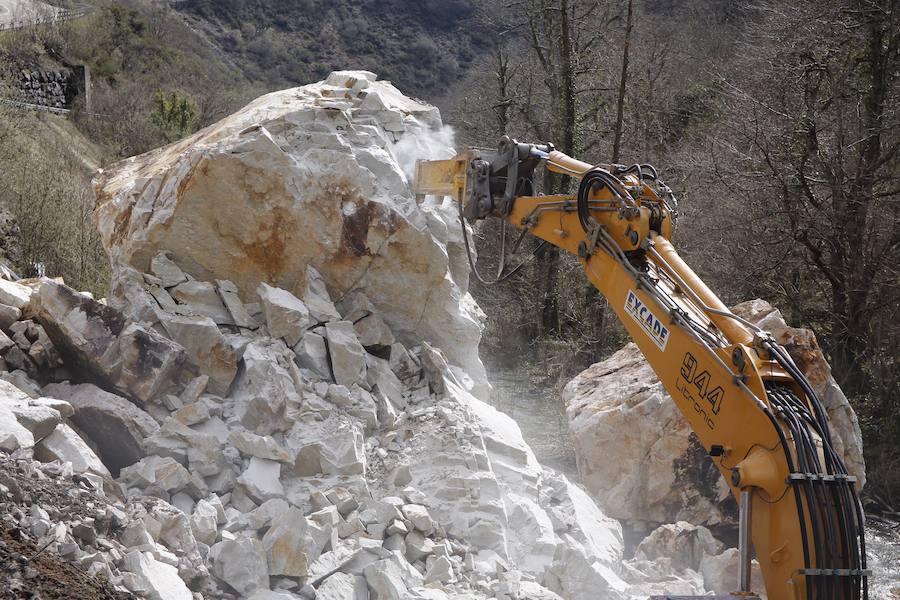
x=206, y=347
x=301, y=177
x=65, y=445
x=241, y=563
x=15, y=294
x=348, y=358
x=286, y=315
x=159, y=579
x=115, y=425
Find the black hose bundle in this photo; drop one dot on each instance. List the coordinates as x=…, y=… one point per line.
x=590, y=182
x=835, y=512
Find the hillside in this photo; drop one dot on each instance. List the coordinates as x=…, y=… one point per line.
x=423, y=46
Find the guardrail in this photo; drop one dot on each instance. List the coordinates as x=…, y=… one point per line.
x=56, y=15
x=51, y=109
x=17, y=104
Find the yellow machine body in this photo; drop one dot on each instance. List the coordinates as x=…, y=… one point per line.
x=717, y=378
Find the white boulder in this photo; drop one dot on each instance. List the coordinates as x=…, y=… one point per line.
x=65, y=445
x=241, y=563
x=301, y=178
x=161, y=581
x=286, y=315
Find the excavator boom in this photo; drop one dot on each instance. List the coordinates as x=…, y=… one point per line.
x=745, y=399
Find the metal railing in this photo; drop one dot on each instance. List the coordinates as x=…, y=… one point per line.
x=49, y=15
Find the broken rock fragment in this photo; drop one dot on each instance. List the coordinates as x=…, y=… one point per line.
x=348, y=358
x=15, y=294
x=199, y=298
x=262, y=479
x=229, y=294
x=13, y=435
x=293, y=543
x=65, y=445
x=368, y=324
x=115, y=425
x=205, y=346
x=166, y=270
x=286, y=315
x=312, y=354
x=241, y=563
x=161, y=581
x=317, y=298
x=96, y=338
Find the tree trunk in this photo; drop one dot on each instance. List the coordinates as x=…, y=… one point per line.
x=623, y=81
x=550, y=321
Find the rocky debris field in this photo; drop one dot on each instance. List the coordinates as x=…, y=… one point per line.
x=279, y=399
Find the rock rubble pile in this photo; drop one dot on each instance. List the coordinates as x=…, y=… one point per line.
x=279, y=399
x=394, y=483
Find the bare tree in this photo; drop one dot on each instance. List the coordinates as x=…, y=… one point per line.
x=814, y=140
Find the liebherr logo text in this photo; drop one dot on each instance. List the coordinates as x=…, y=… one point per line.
x=649, y=322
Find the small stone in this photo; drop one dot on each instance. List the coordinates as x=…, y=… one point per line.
x=241, y=563
x=286, y=315
x=191, y=414
x=396, y=527
x=317, y=299
x=418, y=546
x=262, y=479
x=8, y=315
x=293, y=543
x=440, y=571
x=312, y=354
x=204, y=522
x=348, y=358
x=259, y=446
x=229, y=294
x=199, y=298
x=419, y=517
x=168, y=272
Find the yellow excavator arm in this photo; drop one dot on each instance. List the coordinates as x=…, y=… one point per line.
x=747, y=402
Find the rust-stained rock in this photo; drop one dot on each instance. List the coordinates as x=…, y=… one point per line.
x=300, y=177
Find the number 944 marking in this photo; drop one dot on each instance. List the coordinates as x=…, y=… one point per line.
x=694, y=386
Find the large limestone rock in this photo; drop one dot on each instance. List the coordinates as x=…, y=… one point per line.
x=636, y=453
x=117, y=427
x=97, y=339
x=333, y=444
x=316, y=175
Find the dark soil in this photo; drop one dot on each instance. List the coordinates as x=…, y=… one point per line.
x=27, y=573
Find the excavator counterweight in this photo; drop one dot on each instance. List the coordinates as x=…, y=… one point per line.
x=745, y=399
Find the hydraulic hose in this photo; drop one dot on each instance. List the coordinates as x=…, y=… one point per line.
x=835, y=509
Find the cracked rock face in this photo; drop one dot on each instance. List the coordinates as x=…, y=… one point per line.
x=306, y=176
x=284, y=399
x=636, y=453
